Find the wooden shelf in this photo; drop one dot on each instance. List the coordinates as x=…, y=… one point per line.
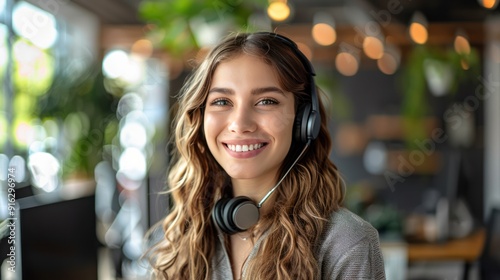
x=467, y=249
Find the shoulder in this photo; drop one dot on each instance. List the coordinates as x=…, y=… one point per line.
x=350, y=228
x=350, y=246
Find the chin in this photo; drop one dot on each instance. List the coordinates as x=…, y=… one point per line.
x=241, y=176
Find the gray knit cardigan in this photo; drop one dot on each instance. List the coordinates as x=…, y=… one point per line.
x=348, y=249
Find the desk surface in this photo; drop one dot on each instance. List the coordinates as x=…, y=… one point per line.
x=467, y=249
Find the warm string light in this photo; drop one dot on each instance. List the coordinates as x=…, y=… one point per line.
x=462, y=47
x=324, y=34
x=489, y=4
x=390, y=60
x=461, y=43
x=387, y=55
x=418, y=28
x=373, y=39
x=142, y=47
x=278, y=10
x=323, y=30
x=373, y=47
x=347, y=63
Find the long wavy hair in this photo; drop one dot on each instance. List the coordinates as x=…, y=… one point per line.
x=303, y=203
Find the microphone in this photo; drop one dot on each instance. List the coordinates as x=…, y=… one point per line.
x=282, y=178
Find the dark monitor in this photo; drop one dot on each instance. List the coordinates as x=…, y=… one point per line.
x=58, y=239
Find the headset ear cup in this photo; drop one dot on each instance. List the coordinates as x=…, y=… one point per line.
x=301, y=123
x=313, y=125
x=228, y=214
x=245, y=214
x=217, y=213
x=235, y=215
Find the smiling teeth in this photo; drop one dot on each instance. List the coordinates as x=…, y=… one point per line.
x=244, y=148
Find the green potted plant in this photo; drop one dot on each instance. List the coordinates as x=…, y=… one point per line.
x=435, y=71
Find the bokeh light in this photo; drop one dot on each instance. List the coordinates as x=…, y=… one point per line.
x=418, y=29
x=323, y=30
x=418, y=33
x=129, y=102
x=115, y=63
x=489, y=4
x=133, y=134
x=4, y=165
x=44, y=168
x=2, y=6
x=39, y=133
x=390, y=60
x=324, y=34
x=23, y=104
x=105, y=189
x=35, y=147
x=278, y=10
x=134, y=73
x=387, y=64
x=18, y=163
x=375, y=158
x=23, y=133
x=461, y=44
x=123, y=69
x=132, y=165
x=373, y=47
x=142, y=47
x=3, y=49
x=347, y=64
x=34, y=68
x=464, y=64
x=34, y=24
x=141, y=118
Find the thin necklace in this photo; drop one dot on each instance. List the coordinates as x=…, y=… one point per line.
x=244, y=238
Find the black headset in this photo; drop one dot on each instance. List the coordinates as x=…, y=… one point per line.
x=238, y=214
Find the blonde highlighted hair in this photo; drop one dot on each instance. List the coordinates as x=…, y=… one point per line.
x=303, y=203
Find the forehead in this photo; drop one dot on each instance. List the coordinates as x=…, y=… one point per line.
x=245, y=66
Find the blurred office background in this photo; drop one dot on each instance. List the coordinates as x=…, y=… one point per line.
x=412, y=88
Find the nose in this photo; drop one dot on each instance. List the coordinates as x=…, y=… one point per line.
x=241, y=120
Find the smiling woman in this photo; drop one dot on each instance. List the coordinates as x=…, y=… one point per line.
x=250, y=127
x=247, y=107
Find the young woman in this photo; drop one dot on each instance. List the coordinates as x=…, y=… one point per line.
x=254, y=193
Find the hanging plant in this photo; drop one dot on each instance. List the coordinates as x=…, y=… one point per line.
x=435, y=71
x=175, y=23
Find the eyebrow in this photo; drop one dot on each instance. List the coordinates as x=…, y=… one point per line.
x=255, y=91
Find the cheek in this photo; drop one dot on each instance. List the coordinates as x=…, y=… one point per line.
x=211, y=127
x=281, y=123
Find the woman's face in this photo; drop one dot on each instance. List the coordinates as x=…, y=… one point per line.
x=248, y=119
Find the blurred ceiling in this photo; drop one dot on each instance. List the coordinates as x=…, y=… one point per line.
x=113, y=11
x=344, y=11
